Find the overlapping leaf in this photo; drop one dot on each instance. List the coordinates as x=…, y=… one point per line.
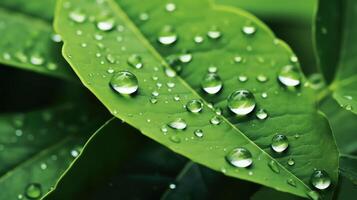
x=97, y=52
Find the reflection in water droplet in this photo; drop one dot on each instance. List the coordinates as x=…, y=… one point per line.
x=289, y=76
x=178, y=124
x=211, y=83
x=279, y=143
x=320, y=179
x=194, y=106
x=241, y=102
x=124, y=82
x=33, y=191
x=239, y=157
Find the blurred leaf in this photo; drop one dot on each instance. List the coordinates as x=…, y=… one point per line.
x=81, y=52
x=267, y=193
x=28, y=42
x=348, y=167
x=37, y=147
x=346, y=189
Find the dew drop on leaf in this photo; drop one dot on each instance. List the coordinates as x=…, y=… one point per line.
x=262, y=78
x=212, y=69
x=33, y=191
x=242, y=78
x=214, y=33
x=124, y=82
x=170, y=7
x=77, y=16
x=178, y=124
x=215, y=120
x=167, y=36
x=194, y=106
x=106, y=25
x=198, y=39
x=185, y=58
x=36, y=59
x=241, y=102
x=211, y=83
x=279, y=143
x=170, y=72
x=291, y=162
x=289, y=76
x=291, y=182
x=262, y=114
x=320, y=179
x=313, y=195
x=249, y=30
x=273, y=165
x=198, y=133
x=175, y=139
x=239, y=157
x=135, y=61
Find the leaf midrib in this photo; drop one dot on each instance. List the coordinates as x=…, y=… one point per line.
x=116, y=7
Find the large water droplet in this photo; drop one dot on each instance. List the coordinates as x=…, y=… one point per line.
x=135, y=61
x=320, y=179
x=194, y=106
x=106, y=25
x=33, y=191
x=241, y=102
x=289, y=76
x=211, y=83
x=124, y=82
x=77, y=16
x=167, y=36
x=279, y=143
x=240, y=157
x=178, y=124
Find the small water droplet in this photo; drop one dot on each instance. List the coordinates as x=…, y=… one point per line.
x=198, y=39
x=56, y=38
x=215, y=120
x=170, y=7
x=198, y=133
x=320, y=179
x=33, y=191
x=291, y=182
x=43, y=166
x=178, y=124
x=167, y=36
x=194, y=106
x=262, y=78
x=289, y=76
x=185, y=58
x=241, y=102
x=77, y=16
x=237, y=59
x=211, y=83
x=273, y=165
x=291, y=162
x=279, y=143
x=164, y=129
x=76, y=151
x=124, y=82
x=262, y=114
x=313, y=195
x=294, y=59
x=242, y=78
x=264, y=95
x=175, y=139
x=170, y=72
x=212, y=69
x=214, y=33
x=135, y=61
x=249, y=30
x=36, y=59
x=239, y=157
x=106, y=25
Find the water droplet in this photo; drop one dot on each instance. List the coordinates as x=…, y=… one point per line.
x=106, y=25
x=279, y=143
x=36, y=59
x=194, y=106
x=294, y=59
x=77, y=16
x=76, y=151
x=291, y=162
x=178, y=124
x=185, y=58
x=249, y=30
x=135, y=60
x=175, y=139
x=170, y=72
x=20, y=196
x=43, y=166
x=214, y=33
x=198, y=39
x=212, y=69
x=56, y=38
x=289, y=76
x=110, y=58
x=262, y=78
x=164, y=129
x=242, y=78
x=262, y=114
x=216, y=120
x=198, y=133
x=167, y=36
x=240, y=157
x=241, y=102
x=170, y=7
x=238, y=59
x=264, y=95
x=320, y=179
x=316, y=81
x=33, y=191
x=291, y=182
x=274, y=166
x=124, y=82
x=313, y=195
x=211, y=83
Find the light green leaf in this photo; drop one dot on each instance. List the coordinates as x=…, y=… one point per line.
x=335, y=32
x=161, y=96
x=37, y=147
x=28, y=42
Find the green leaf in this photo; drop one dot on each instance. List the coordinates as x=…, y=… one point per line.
x=310, y=139
x=335, y=37
x=344, y=135
x=348, y=165
x=37, y=147
x=28, y=42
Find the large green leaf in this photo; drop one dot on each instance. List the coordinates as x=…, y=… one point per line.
x=37, y=147
x=28, y=42
x=348, y=165
x=336, y=31
x=94, y=57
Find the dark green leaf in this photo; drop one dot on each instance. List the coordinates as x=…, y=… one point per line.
x=348, y=167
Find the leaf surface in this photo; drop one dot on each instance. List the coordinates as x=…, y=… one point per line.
x=94, y=60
